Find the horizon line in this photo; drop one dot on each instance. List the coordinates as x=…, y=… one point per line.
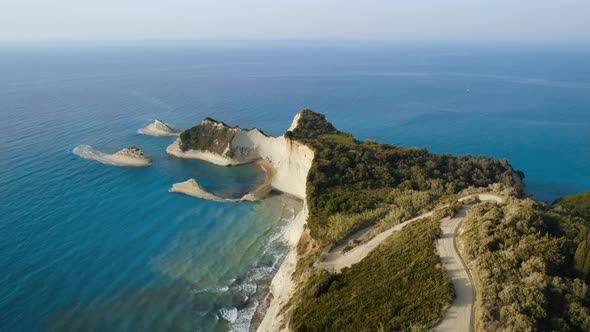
x=293, y=40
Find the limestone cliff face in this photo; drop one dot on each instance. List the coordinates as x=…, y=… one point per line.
x=218, y=143
x=290, y=159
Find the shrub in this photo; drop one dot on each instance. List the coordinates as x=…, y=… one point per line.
x=522, y=255
x=398, y=286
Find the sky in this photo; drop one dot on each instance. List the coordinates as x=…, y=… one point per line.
x=31, y=20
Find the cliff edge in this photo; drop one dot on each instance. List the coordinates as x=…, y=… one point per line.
x=218, y=143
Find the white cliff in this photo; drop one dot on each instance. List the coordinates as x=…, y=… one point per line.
x=291, y=161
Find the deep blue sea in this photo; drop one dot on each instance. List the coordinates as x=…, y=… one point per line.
x=91, y=247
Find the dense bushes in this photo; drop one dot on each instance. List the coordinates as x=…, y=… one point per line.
x=208, y=135
x=311, y=125
x=398, y=286
x=448, y=211
x=530, y=260
x=523, y=258
x=349, y=176
x=578, y=204
x=582, y=256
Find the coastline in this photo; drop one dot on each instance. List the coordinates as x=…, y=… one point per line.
x=286, y=163
x=174, y=150
x=263, y=189
x=282, y=286
x=191, y=187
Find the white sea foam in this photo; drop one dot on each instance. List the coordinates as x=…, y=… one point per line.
x=230, y=314
x=242, y=322
x=249, y=286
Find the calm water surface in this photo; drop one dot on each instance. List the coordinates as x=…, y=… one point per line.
x=91, y=247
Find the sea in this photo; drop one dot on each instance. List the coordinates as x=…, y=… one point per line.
x=86, y=246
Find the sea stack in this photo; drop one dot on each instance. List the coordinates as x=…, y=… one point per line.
x=158, y=128
x=132, y=156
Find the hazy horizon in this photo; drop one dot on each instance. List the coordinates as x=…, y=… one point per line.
x=263, y=20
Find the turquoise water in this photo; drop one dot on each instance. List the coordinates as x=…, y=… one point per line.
x=86, y=246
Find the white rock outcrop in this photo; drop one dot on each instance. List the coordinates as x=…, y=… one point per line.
x=130, y=156
x=291, y=161
x=158, y=128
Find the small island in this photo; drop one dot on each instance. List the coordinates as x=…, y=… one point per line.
x=130, y=156
x=158, y=128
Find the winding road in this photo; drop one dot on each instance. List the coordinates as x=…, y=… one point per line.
x=459, y=316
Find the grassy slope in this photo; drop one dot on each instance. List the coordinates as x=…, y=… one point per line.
x=399, y=285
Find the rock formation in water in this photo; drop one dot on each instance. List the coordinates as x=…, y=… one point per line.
x=159, y=128
x=130, y=156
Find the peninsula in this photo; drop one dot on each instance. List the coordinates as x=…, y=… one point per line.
x=397, y=238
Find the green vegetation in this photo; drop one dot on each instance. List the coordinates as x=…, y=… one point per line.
x=354, y=184
x=399, y=286
x=447, y=211
x=209, y=135
x=578, y=204
x=349, y=177
x=582, y=256
x=312, y=125
x=529, y=261
x=394, y=207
